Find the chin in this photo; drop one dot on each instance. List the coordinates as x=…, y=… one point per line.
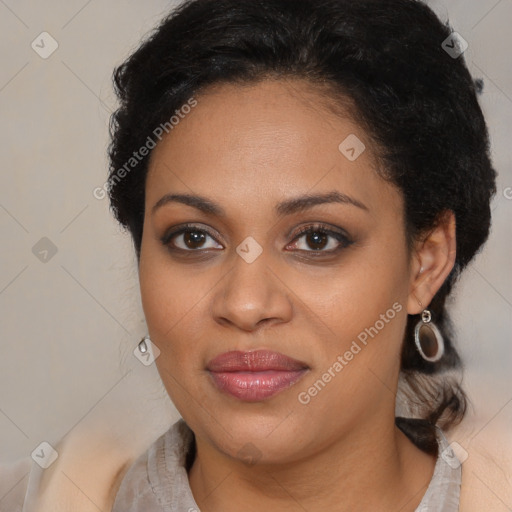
x=257, y=438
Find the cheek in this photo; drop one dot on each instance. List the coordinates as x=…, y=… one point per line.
x=363, y=304
x=355, y=295
x=173, y=303
x=364, y=308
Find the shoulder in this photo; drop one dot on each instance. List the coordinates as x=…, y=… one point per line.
x=485, y=466
x=14, y=479
x=83, y=477
x=135, y=488
x=486, y=470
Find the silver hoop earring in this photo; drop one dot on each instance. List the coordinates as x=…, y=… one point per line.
x=143, y=348
x=428, y=339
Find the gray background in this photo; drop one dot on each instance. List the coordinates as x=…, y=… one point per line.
x=69, y=324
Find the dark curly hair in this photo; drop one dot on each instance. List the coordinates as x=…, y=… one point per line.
x=417, y=103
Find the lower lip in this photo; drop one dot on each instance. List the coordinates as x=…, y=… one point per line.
x=255, y=386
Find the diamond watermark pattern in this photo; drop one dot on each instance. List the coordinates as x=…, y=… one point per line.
x=44, y=250
x=249, y=250
x=352, y=147
x=249, y=454
x=454, y=45
x=44, y=45
x=454, y=455
x=45, y=455
x=146, y=352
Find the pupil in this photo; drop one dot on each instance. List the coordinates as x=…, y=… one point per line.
x=193, y=237
x=316, y=239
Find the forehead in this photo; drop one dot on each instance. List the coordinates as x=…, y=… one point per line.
x=256, y=143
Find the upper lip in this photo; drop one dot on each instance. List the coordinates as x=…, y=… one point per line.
x=254, y=361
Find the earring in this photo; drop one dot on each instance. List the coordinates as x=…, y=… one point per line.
x=428, y=339
x=143, y=348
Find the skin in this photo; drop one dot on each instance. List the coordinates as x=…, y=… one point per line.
x=247, y=148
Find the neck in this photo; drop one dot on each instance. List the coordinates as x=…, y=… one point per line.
x=372, y=468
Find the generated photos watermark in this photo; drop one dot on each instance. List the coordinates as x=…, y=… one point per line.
x=342, y=360
x=137, y=156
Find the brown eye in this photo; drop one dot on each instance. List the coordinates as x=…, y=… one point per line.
x=194, y=239
x=189, y=239
x=319, y=239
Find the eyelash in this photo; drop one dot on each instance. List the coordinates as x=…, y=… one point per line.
x=323, y=229
x=343, y=239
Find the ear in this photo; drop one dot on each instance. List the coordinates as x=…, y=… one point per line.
x=432, y=261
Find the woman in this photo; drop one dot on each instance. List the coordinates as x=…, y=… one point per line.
x=309, y=180
x=304, y=181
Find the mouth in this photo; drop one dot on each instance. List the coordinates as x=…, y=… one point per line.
x=255, y=376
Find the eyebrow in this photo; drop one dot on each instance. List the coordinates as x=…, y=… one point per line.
x=288, y=207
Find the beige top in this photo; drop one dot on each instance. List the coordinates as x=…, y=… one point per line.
x=158, y=481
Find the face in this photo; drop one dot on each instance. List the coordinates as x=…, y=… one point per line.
x=284, y=339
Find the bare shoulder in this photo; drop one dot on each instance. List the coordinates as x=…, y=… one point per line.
x=85, y=476
x=14, y=479
x=486, y=479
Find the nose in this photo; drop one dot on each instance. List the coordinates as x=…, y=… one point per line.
x=251, y=295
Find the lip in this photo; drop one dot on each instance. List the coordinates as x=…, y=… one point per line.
x=256, y=375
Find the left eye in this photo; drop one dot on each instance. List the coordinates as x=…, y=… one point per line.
x=320, y=239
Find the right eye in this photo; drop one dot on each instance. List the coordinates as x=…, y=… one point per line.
x=188, y=238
